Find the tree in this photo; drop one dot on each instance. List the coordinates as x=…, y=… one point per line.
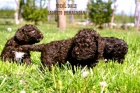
x=34, y=13
x=71, y=16
x=112, y=18
x=21, y=4
x=61, y=23
x=16, y=15
x=87, y=14
x=137, y=14
x=100, y=12
x=49, y=4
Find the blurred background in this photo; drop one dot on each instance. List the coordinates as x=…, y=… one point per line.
x=120, y=14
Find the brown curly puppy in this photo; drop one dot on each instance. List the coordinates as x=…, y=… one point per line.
x=53, y=52
x=82, y=49
x=87, y=48
x=115, y=49
x=27, y=34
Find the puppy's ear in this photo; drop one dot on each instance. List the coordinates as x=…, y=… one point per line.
x=20, y=34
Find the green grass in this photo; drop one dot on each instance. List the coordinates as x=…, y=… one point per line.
x=120, y=78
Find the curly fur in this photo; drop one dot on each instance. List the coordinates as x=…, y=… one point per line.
x=87, y=48
x=53, y=52
x=81, y=49
x=86, y=43
x=27, y=34
x=115, y=49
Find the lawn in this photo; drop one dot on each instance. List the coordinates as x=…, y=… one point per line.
x=104, y=78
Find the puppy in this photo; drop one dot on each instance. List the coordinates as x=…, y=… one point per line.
x=115, y=49
x=26, y=35
x=82, y=49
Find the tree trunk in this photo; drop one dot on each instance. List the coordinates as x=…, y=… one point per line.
x=72, y=16
x=49, y=17
x=16, y=13
x=61, y=24
x=87, y=14
x=136, y=15
x=138, y=21
x=20, y=10
x=112, y=18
